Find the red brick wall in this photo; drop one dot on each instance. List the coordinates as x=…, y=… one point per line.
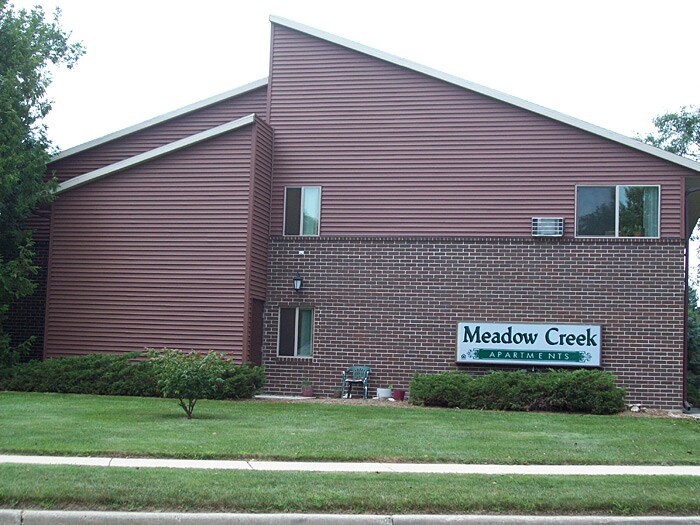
x=393, y=304
x=26, y=315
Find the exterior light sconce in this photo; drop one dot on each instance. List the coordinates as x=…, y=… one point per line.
x=298, y=282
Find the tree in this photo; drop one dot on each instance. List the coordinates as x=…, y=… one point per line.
x=30, y=45
x=693, y=329
x=189, y=376
x=678, y=132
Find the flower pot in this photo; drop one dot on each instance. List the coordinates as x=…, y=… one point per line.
x=307, y=391
x=398, y=393
x=383, y=393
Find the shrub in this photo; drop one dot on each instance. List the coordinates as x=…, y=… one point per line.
x=108, y=374
x=693, y=389
x=241, y=381
x=588, y=391
x=440, y=390
x=190, y=376
x=117, y=375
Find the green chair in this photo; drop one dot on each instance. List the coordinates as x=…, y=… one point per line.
x=355, y=375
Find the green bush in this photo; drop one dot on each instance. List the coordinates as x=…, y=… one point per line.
x=693, y=329
x=108, y=374
x=588, y=391
x=440, y=390
x=118, y=375
x=240, y=381
x=191, y=376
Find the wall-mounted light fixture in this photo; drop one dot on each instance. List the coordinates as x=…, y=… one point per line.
x=298, y=282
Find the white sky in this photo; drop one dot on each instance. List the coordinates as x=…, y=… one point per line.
x=613, y=63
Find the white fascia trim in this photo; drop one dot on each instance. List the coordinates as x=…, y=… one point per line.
x=498, y=95
x=162, y=118
x=85, y=178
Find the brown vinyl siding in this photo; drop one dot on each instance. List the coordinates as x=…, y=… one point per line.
x=258, y=233
x=401, y=153
x=161, y=134
x=154, y=256
x=260, y=209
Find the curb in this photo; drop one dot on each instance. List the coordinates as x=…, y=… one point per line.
x=49, y=517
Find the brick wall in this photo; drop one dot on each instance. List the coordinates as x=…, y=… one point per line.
x=26, y=315
x=393, y=304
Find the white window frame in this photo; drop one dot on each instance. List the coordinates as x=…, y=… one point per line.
x=296, y=331
x=617, y=210
x=301, y=212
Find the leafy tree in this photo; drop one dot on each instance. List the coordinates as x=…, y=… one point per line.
x=678, y=132
x=30, y=45
x=693, y=348
x=189, y=377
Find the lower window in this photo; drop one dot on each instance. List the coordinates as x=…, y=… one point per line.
x=295, y=332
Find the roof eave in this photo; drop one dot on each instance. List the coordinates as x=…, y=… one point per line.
x=161, y=118
x=122, y=165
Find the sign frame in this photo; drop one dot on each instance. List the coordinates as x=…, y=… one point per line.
x=533, y=347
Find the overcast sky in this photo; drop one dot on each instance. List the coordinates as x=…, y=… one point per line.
x=615, y=64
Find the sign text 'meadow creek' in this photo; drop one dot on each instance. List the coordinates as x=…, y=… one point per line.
x=553, y=345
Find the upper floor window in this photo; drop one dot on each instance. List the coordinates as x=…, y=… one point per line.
x=302, y=210
x=617, y=211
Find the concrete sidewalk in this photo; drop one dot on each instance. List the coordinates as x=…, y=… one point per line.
x=48, y=517
x=406, y=468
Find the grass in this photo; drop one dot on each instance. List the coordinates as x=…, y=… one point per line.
x=60, y=487
x=60, y=424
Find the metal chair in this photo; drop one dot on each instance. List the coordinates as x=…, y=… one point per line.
x=355, y=375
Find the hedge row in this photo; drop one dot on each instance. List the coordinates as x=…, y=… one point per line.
x=117, y=375
x=588, y=391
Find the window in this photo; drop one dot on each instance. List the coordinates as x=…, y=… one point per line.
x=295, y=336
x=617, y=211
x=302, y=210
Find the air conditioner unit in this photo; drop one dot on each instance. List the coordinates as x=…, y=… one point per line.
x=547, y=226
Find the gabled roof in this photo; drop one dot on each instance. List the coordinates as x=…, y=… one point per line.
x=90, y=176
x=524, y=104
x=162, y=118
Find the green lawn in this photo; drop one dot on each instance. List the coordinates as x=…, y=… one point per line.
x=121, y=426
x=24, y=486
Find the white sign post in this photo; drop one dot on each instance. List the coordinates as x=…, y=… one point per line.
x=529, y=344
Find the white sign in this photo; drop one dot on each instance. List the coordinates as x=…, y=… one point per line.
x=528, y=344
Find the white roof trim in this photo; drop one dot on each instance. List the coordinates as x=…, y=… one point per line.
x=90, y=176
x=162, y=118
x=596, y=130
